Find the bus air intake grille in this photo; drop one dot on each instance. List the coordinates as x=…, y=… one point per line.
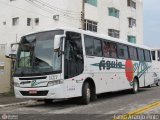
x=38, y=93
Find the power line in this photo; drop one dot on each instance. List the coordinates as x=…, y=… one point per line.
x=32, y=12
x=50, y=10
x=58, y=9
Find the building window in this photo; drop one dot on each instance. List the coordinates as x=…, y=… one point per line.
x=29, y=21
x=132, y=39
x=131, y=3
x=36, y=20
x=4, y=23
x=113, y=33
x=90, y=25
x=132, y=22
x=113, y=12
x=91, y=2
x=15, y=21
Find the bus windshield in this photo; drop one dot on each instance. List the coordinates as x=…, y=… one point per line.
x=36, y=55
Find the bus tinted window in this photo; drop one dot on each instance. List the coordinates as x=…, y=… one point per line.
x=113, y=49
x=147, y=56
x=122, y=51
x=93, y=46
x=153, y=55
x=97, y=47
x=158, y=54
x=106, y=49
x=89, y=45
x=140, y=54
x=133, y=53
x=109, y=49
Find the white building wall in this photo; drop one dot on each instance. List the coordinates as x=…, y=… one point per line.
x=69, y=16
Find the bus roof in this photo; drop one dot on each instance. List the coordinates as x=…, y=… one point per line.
x=94, y=34
x=155, y=49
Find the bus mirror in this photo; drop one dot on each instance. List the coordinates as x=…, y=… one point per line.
x=57, y=42
x=11, y=50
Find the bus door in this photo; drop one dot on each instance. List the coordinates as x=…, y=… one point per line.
x=73, y=55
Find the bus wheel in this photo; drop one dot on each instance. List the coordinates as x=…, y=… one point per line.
x=48, y=101
x=158, y=83
x=86, y=94
x=135, y=86
x=149, y=86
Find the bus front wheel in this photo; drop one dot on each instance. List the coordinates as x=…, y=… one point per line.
x=86, y=94
x=48, y=101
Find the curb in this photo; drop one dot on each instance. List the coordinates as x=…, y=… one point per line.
x=19, y=103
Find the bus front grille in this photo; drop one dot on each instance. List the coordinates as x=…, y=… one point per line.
x=39, y=93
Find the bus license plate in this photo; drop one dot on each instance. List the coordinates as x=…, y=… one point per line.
x=32, y=91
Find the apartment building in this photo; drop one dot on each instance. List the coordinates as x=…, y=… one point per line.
x=121, y=19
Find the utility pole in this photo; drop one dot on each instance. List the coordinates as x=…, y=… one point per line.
x=82, y=15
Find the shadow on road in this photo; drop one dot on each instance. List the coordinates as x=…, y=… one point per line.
x=61, y=104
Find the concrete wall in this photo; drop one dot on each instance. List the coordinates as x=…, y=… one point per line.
x=5, y=74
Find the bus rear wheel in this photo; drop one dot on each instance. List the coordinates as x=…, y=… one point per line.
x=135, y=86
x=158, y=83
x=86, y=94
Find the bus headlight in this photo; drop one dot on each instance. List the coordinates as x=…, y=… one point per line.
x=16, y=84
x=56, y=82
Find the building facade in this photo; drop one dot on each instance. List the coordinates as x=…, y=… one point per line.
x=117, y=18
x=121, y=19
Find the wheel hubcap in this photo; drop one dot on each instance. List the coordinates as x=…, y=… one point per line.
x=88, y=93
x=135, y=86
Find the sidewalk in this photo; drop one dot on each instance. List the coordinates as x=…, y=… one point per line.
x=9, y=99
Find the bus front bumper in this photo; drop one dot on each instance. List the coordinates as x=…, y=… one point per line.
x=53, y=92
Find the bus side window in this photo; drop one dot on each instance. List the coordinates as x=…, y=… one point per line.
x=93, y=46
x=158, y=54
x=113, y=50
x=122, y=51
x=147, y=55
x=109, y=49
x=133, y=53
x=106, y=49
x=140, y=54
x=89, y=45
x=97, y=48
x=153, y=55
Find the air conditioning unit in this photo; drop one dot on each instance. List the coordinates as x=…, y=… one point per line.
x=56, y=17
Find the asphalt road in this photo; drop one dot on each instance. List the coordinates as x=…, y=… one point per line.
x=107, y=107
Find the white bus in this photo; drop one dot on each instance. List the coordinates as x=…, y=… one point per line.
x=156, y=65
x=68, y=63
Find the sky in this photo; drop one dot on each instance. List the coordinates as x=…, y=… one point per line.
x=151, y=12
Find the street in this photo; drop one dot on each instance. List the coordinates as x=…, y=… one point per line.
x=108, y=106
